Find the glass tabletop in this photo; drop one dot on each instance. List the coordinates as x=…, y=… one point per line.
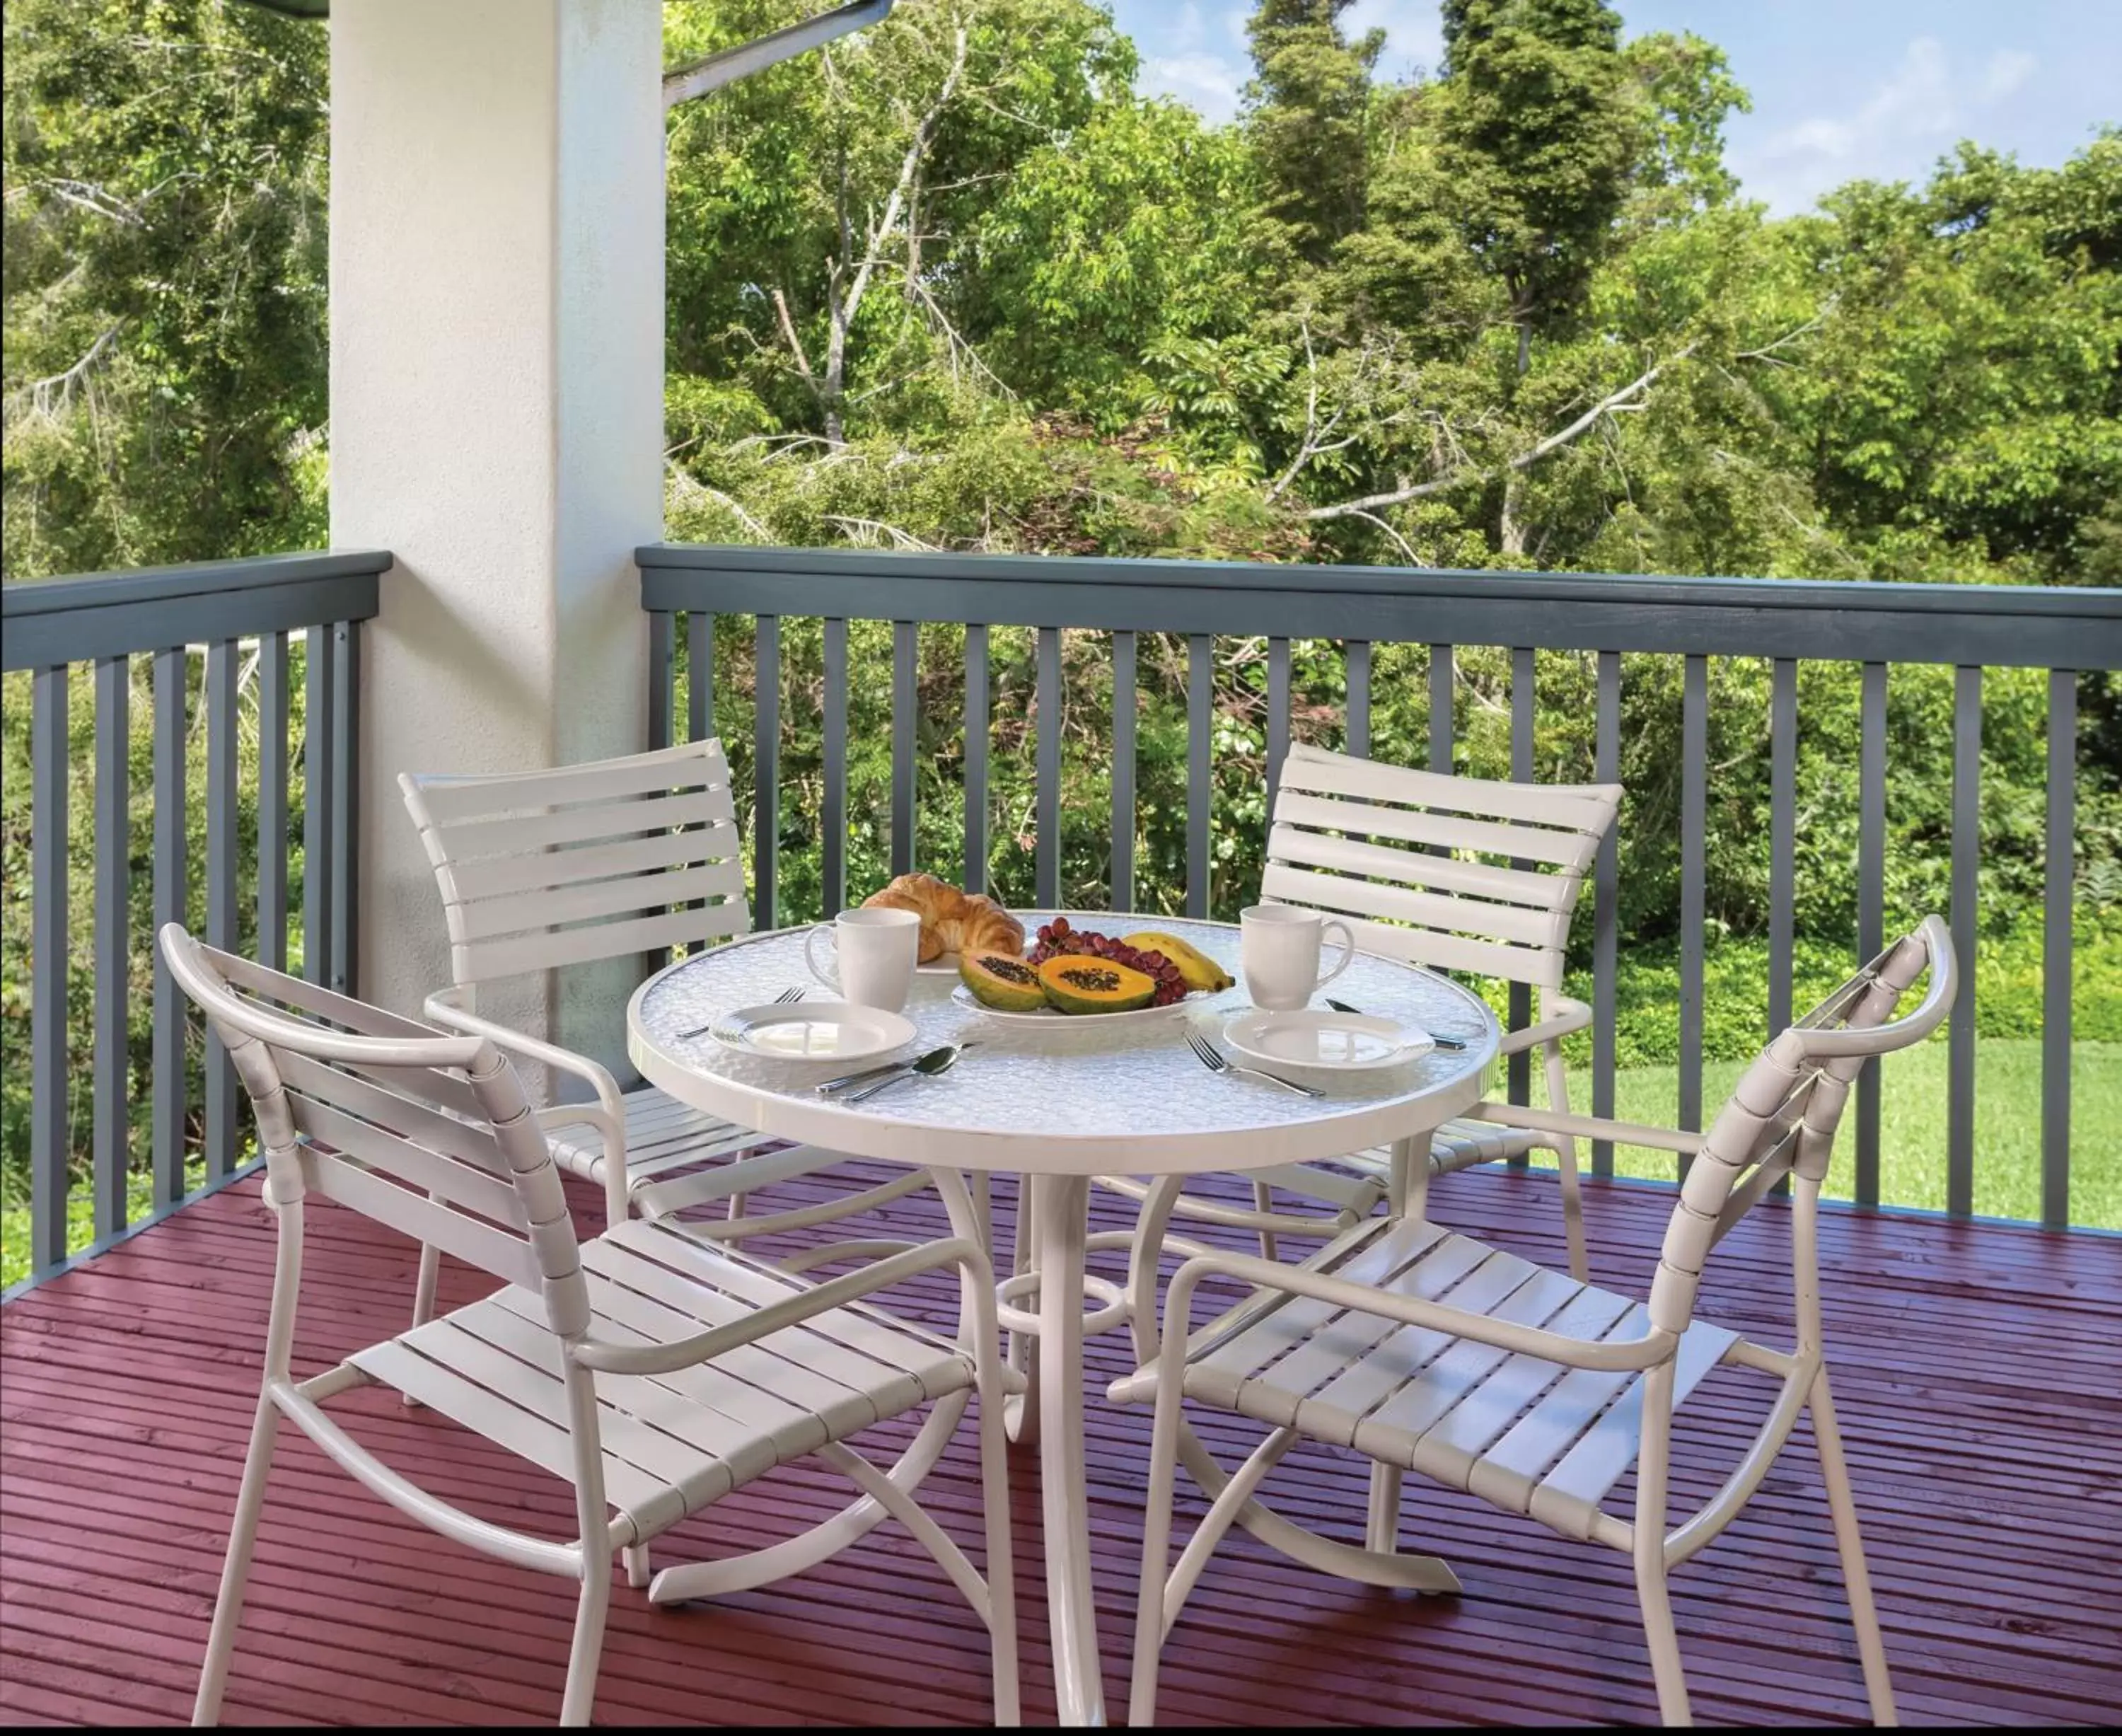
x=1057, y=1083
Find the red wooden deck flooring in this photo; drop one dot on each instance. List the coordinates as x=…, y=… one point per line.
x=1977, y=1369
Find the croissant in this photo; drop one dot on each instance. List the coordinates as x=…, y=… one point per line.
x=951, y=921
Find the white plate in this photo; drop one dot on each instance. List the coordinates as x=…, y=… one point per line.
x=812, y=1031
x=971, y=1002
x=943, y=964
x=1337, y=1042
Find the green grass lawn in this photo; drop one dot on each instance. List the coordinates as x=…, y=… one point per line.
x=2007, y=1120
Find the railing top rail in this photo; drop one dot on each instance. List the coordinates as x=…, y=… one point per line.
x=2044, y=627
x=2090, y=602
x=56, y=621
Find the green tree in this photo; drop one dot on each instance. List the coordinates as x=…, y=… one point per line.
x=165, y=362
x=1308, y=118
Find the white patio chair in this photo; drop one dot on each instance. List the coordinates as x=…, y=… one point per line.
x=653, y=1373
x=615, y=859
x=1337, y=844
x=1428, y=1351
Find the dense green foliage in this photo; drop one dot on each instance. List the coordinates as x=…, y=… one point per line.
x=955, y=283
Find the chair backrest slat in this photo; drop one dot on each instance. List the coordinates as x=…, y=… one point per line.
x=1466, y=899
x=1784, y=1111
x=547, y=868
x=426, y=1132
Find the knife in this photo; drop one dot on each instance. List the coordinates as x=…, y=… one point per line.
x=1441, y=1042
x=848, y=1082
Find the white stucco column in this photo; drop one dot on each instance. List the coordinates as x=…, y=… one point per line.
x=496, y=373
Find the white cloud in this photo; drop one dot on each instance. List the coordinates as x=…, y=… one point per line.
x=1210, y=82
x=1912, y=114
x=2008, y=68
x=1414, y=34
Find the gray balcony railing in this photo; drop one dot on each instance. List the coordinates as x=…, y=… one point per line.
x=1871, y=629
x=262, y=652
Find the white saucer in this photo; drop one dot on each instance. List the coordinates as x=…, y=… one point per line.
x=1337, y=1042
x=965, y=997
x=812, y=1031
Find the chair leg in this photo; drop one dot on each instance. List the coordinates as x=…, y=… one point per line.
x=1155, y=1558
x=1842, y=1503
x=639, y=1569
x=423, y=1300
x=1565, y=1152
x=1669, y=1673
x=580, y=1697
x=1382, y=1528
x=1000, y=1560
x=236, y=1569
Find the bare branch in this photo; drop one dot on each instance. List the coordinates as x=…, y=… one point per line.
x=1624, y=399
x=795, y=343
x=872, y=528
x=1399, y=540
x=48, y=396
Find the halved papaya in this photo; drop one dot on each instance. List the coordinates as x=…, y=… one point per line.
x=1077, y=983
x=1006, y=984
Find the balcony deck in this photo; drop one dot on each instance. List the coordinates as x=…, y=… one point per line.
x=1976, y=1367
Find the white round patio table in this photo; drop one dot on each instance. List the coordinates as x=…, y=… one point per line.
x=1058, y=1104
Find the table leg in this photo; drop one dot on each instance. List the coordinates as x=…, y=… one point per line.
x=1020, y=1413
x=1061, y=1213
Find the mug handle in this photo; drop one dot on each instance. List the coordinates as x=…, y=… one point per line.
x=1348, y=949
x=811, y=956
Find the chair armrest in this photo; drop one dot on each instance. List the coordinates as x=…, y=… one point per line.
x=1611, y=1356
x=1572, y=1016
x=667, y=1358
x=445, y=1007
x=1586, y=1127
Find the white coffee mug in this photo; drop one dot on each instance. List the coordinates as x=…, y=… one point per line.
x=874, y=954
x=1278, y=946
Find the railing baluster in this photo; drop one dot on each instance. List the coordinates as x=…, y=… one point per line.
x=1966, y=854
x=2061, y=870
x=1523, y=679
x=1694, y=817
x=976, y=758
x=662, y=677
x=1605, y=912
x=1200, y=700
x=1278, y=714
x=172, y=677
x=318, y=762
x=48, y=978
x=833, y=871
x=272, y=800
x=905, y=727
x=221, y=889
x=766, y=771
x=1123, y=841
x=1870, y=903
x=114, y=963
x=699, y=676
x=1047, y=862
x=1441, y=726
x=662, y=703
x=346, y=803
x=1355, y=655
x=1783, y=845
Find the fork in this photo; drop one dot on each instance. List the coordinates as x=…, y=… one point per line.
x=1216, y=1061
x=786, y=998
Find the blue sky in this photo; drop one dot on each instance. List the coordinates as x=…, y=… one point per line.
x=1841, y=88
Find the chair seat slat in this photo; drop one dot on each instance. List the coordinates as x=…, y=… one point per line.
x=483, y=960
x=1582, y=808
x=494, y=877
x=1506, y=923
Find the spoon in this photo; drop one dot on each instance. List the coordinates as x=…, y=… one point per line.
x=935, y=1061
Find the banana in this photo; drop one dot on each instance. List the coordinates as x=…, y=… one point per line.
x=1199, y=971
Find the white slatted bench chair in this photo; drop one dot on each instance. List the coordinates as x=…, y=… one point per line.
x=1340, y=843
x=1432, y=1352
x=614, y=859
x=652, y=1373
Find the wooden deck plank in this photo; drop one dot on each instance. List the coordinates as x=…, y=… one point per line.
x=1990, y=1483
